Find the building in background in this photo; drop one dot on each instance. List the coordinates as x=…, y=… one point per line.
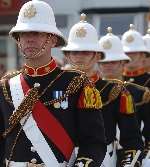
x=101, y=13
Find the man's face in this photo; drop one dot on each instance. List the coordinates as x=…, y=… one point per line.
x=147, y=63
x=84, y=60
x=137, y=60
x=32, y=42
x=111, y=69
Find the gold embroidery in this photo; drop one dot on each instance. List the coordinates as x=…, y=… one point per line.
x=130, y=39
x=5, y=92
x=30, y=11
x=92, y=98
x=81, y=32
x=146, y=93
x=87, y=161
x=114, y=92
x=107, y=45
x=72, y=88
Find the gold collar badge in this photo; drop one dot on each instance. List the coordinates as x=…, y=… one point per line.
x=81, y=32
x=30, y=11
x=107, y=44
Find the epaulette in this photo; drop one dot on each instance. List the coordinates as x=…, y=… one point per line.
x=75, y=70
x=116, y=81
x=76, y=83
x=146, y=93
x=135, y=85
x=115, y=90
x=126, y=102
x=5, y=92
x=146, y=96
x=4, y=81
x=146, y=83
x=9, y=75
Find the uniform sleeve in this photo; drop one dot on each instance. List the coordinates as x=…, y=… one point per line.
x=2, y=129
x=144, y=114
x=130, y=135
x=2, y=143
x=91, y=138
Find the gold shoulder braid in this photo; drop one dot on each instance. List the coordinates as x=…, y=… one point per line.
x=5, y=92
x=75, y=70
x=76, y=83
x=146, y=93
x=25, y=107
x=146, y=82
x=146, y=96
x=4, y=79
x=115, y=91
x=135, y=85
x=9, y=75
x=32, y=96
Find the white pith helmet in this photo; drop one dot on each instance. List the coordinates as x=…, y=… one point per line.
x=132, y=41
x=37, y=16
x=111, y=45
x=83, y=37
x=146, y=39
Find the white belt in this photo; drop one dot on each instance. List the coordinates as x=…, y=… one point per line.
x=110, y=147
x=27, y=164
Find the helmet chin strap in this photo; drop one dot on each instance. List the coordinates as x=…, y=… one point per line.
x=40, y=51
x=82, y=67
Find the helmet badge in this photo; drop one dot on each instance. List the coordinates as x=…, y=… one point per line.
x=130, y=39
x=107, y=44
x=30, y=11
x=81, y=32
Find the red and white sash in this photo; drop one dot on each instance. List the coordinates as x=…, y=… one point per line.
x=41, y=120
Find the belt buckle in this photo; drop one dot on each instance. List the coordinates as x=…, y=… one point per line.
x=33, y=163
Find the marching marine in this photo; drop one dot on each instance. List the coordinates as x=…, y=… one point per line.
x=146, y=39
x=133, y=46
x=83, y=52
x=44, y=111
x=135, y=72
x=112, y=68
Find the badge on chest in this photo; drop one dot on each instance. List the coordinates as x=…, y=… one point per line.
x=61, y=104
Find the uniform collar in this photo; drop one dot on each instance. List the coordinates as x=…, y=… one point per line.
x=94, y=78
x=134, y=73
x=40, y=71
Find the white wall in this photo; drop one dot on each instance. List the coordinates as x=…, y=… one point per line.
x=64, y=6
x=114, y=3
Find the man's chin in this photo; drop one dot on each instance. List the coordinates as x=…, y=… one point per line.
x=30, y=57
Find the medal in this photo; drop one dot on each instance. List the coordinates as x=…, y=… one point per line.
x=64, y=104
x=57, y=105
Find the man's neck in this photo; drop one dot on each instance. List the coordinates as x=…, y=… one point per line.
x=119, y=77
x=38, y=62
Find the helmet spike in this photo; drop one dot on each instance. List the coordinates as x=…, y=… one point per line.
x=132, y=27
x=82, y=17
x=148, y=31
x=109, y=30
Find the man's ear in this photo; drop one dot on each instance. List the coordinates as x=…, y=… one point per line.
x=98, y=56
x=54, y=40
